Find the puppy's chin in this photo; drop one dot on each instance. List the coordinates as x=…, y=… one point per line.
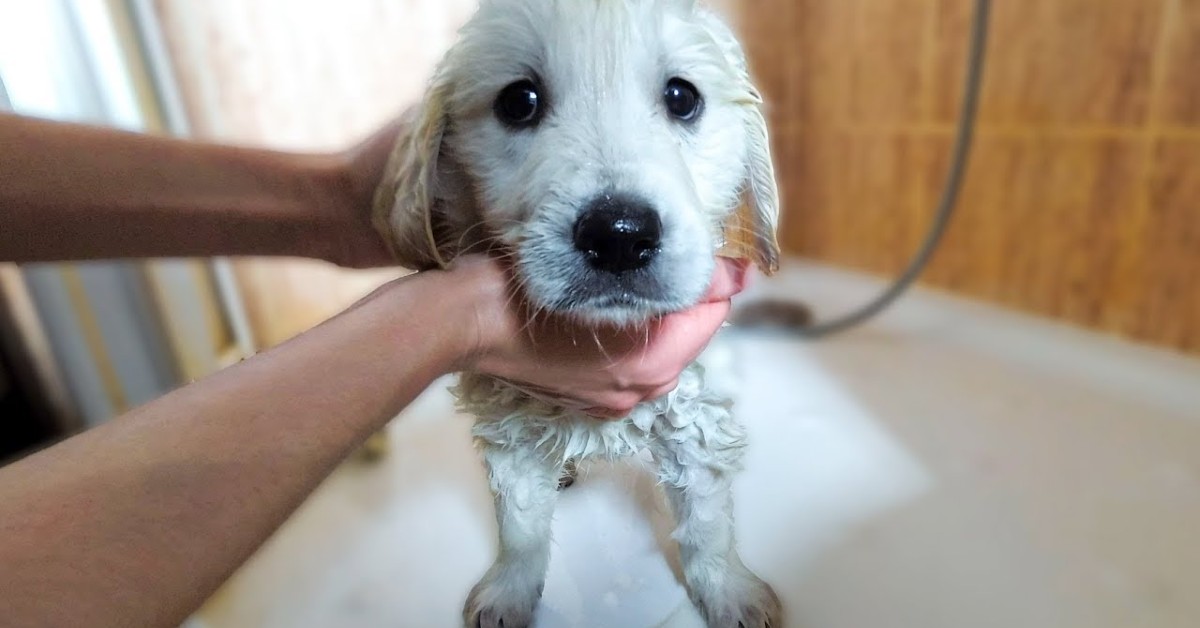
x=618, y=311
x=614, y=308
x=566, y=287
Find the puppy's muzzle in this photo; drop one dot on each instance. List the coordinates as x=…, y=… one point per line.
x=618, y=234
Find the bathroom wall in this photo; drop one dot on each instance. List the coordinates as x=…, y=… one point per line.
x=1083, y=197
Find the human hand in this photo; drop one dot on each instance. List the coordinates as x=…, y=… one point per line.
x=604, y=371
x=347, y=235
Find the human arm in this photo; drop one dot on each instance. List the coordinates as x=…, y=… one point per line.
x=138, y=521
x=72, y=192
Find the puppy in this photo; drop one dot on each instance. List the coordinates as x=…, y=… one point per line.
x=605, y=146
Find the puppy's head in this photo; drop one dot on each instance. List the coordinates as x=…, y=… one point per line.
x=603, y=144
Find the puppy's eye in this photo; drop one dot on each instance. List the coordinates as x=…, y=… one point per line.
x=682, y=100
x=519, y=105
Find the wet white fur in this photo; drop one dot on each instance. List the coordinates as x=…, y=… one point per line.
x=461, y=177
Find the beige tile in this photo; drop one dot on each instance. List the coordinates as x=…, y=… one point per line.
x=1040, y=221
x=821, y=43
x=1072, y=62
x=1168, y=309
x=1180, y=99
x=858, y=195
x=887, y=81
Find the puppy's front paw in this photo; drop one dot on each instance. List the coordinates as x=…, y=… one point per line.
x=504, y=598
x=570, y=471
x=738, y=599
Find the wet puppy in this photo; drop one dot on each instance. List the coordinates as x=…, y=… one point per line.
x=604, y=145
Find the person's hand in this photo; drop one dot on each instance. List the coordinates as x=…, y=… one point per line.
x=346, y=226
x=604, y=372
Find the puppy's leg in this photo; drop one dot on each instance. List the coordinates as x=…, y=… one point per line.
x=696, y=465
x=525, y=485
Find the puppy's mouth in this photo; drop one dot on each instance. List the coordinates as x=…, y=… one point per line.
x=590, y=297
x=622, y=309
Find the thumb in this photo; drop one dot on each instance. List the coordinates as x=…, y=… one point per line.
x=729, y=279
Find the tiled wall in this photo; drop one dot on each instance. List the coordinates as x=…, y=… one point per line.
x=1083, y=198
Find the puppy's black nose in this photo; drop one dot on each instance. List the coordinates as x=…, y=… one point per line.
x=618, y=235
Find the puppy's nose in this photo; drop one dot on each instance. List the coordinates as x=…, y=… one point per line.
x=618, y=235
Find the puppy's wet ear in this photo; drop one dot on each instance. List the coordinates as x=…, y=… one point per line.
x=762, y=193
x=407, y=209
x=759, y=220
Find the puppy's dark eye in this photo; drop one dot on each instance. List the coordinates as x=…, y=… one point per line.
x=519, y=105
x=682, y=100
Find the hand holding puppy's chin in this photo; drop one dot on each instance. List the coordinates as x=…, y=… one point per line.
x=604, y=371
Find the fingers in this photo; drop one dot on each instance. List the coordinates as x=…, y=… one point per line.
x=730, y=278
x=611, y=414
x=684, y=335
x=663, y=391
x=608, y=406
x=632, y=366
x=678, y=341
x=603, y=406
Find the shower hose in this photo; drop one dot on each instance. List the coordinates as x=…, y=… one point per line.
x=950, y=191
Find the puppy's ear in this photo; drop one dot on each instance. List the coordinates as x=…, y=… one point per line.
x=407, y=210
x=759, y=219
x=762, y=191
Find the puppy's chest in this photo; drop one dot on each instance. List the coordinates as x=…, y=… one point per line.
x=507, y=417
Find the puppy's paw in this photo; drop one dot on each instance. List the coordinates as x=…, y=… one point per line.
x=498, y=618
x=570, y=471
x=740, y=599
x=503, y=599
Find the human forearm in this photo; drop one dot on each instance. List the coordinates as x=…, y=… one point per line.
x=136, y=522
x=70, y=192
